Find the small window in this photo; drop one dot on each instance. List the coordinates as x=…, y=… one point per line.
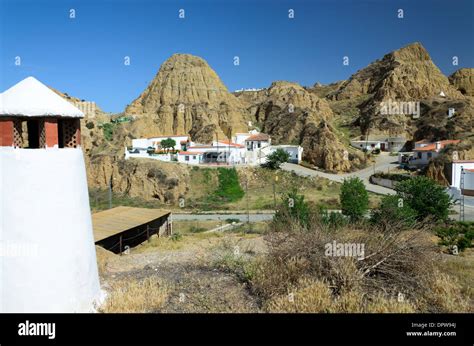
x=430, y=155
x=186, y=158
x=194, y=157
x=419, y=155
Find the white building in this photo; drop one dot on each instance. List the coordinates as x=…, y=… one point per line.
x=455, y=179
x=48, y=260
x=190, y=157
x=144, y=143
x=250, y=148
x=425, y=151
x=383, y=143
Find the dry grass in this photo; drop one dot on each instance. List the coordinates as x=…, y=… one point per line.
x=316, y=296
x=396, y=264
x=133, y=296
x=104, y=257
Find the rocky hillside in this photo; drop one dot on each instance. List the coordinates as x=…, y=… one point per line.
x=407, y=74
x=187, y=97
x=463, y=80
x=292, y=114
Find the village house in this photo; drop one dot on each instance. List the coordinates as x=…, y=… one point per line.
x=383, y=143
x=251, y=148
x=424, y=152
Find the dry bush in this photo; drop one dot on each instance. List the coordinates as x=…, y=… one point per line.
x=395, y=263
x=134, y=296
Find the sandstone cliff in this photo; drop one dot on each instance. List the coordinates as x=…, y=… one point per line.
x=463, y=80
x=291, y=114
x=407, y=74
x=187, y=97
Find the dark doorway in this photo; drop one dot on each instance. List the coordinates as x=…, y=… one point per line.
x=33, y=134
x=382, y=146
x=60, y=133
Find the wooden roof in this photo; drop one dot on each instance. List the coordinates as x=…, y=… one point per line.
x=117, y=220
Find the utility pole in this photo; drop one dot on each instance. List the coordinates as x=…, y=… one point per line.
x=217, y=141
x=461, y=202
x=110, y=193
x=230, y=140
x=274, y=192
x=247, y=198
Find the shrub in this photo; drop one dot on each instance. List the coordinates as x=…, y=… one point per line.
x=275, y=159
x=426, y=197
x=354, y=198
x=176, y=236
x=393, y=210
x=333, y=220
x=457, y=233
x=108, y=130
x=395, y=262
x=293, y=208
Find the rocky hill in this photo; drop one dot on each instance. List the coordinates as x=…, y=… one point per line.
x=407, y=74
x=187, y=97
x=463, y=80
x=292, y=114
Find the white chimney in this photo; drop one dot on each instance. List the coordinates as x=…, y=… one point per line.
x=438, y=146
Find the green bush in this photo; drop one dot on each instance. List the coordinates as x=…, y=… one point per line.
x=394, y=210
x=460, y=234
x=333, y=220
x=108, y=130
x=275, y=159
x=354, y=198
x=229, y=189
x=426, y=197
x=176, y=236
x=293, y=208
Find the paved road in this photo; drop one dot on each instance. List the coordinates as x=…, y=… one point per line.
x=384, y=162
x=222, y=217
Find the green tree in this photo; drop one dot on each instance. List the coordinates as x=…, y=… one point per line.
x=354, y=198
x=393, y=209
x=426, y=197
x=293, y=207
x=275, y=159
x=168, y=143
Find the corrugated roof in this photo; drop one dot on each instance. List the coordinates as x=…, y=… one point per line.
x=117, y=220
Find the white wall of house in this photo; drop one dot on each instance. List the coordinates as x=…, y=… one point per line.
x=190, y=158
x=456, y=174
x=369, y=145
x=155, y=141
x=421, y=158
x=255, y=145
x=295, y=151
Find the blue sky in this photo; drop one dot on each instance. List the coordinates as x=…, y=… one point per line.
x=85, y=56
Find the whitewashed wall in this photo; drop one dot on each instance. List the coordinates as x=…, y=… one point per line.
x=44, y=206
